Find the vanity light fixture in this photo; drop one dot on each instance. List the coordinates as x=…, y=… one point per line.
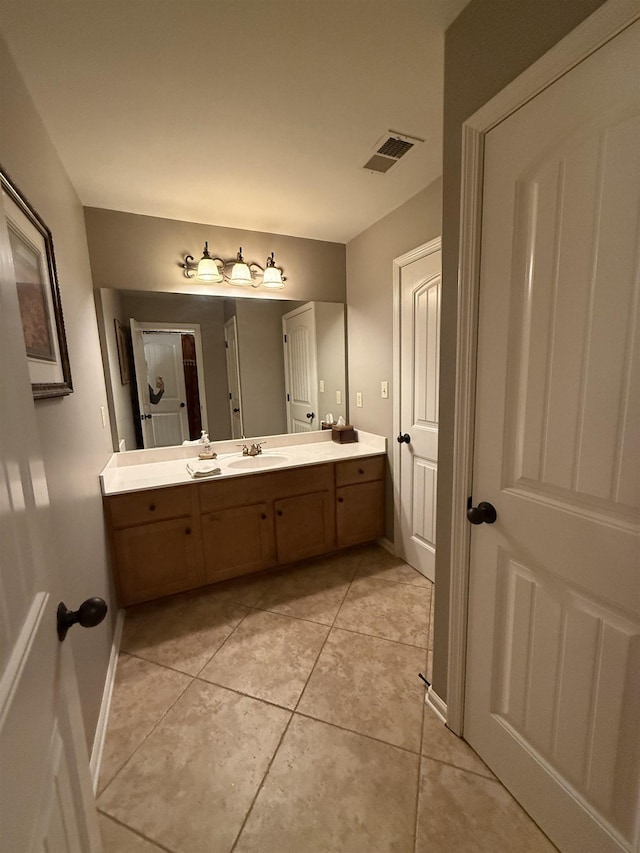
x=208, y=269
x=214, y=271
x=240, y=273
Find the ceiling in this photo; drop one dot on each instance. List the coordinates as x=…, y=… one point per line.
x=255, y=114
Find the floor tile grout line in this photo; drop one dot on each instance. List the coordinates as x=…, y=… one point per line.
x=151, y=730
x=491, y=778
x=137, y=833
x=415, y=828
x=326, y=639
x=261, y=785
x=310, y=716
x=230, y=634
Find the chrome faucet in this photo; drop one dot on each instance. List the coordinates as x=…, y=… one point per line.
x=254, y=450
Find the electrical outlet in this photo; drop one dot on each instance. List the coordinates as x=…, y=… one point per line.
x=322, y=386
x=339, y=397
x=359, y=399
x=384, y=389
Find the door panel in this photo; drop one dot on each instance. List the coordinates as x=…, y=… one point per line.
x=301, y=373
x=552, y=692
x=419, y=345
x=45, y=787
x=163, y=355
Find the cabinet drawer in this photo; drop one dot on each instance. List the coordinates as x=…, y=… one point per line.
x=359, y=470
x=254, y=488
x=154, y=505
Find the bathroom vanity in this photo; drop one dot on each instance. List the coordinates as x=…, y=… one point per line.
x=303, y=497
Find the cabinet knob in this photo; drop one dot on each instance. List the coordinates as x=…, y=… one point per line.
x=360, y=470
x=152, y=507
x=263, y=516
x=340, y=500
x=279, y=512
x=188, y=531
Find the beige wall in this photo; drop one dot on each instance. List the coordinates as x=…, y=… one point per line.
x=109, y=309
x=261, y=357
x=330, y=342
x=75, y=444
x=488, y=45
x=370, y=310
x=133, y=252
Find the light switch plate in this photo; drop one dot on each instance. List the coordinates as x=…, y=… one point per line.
x=338, y=397
x=359, y=399
x=384, y=389
x=321, y=383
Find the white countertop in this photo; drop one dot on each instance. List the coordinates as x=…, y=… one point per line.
x=156, y=468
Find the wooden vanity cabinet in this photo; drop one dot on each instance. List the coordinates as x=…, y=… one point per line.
x=359, y=500
x=154, y=558
x=169, y=540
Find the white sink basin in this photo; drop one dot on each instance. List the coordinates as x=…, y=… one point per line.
x=263, y=460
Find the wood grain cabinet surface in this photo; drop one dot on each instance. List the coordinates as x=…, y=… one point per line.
x=172, y=539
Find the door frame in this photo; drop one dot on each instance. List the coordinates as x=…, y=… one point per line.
x=600, y=27
x=421, y=251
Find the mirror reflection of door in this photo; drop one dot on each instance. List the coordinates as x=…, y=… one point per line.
x=233, y=377
x=301, y=371
x=167, y=385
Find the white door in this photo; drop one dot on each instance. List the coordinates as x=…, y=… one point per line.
x=233, y=377
x=160, y=376
x=417, y=343
x=300, y=368
x=553, y=667
x=46, y=800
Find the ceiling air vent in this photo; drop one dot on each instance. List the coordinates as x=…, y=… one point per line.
x=389, y=149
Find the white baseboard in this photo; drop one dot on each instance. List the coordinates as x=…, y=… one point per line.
x=103, y=718
x=435, y=704
x=387, y=545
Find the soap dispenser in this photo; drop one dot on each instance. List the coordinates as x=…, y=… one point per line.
x=207, y=449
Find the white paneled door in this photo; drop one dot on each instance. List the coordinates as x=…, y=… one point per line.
x=301, y=371
x=159, y=367
x=553, y=666
x=417, y=284
x=46, y=800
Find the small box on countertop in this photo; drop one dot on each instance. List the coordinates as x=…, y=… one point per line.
x=343, y=434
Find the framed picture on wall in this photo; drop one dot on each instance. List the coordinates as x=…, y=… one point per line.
x=38, y=295
x=123, y=352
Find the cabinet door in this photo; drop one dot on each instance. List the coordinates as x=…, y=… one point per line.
x=158, y=559
x=359, y=513
x=237, y=541
x=304, y=526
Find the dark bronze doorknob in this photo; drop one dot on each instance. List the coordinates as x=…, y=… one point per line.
x=90, y=613
x=484, y=513
x=235, y=411
x=406, y=438
x=311, y=415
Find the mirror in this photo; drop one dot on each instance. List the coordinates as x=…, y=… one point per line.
x=232, y=353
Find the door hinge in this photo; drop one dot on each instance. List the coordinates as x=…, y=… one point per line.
x=285, y=339
x=230, y=397
x=288, y=399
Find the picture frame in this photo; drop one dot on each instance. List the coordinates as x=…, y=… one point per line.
x=123, y=352
x=31, y=244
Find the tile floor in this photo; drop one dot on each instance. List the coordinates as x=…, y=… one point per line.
x=283, y=713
